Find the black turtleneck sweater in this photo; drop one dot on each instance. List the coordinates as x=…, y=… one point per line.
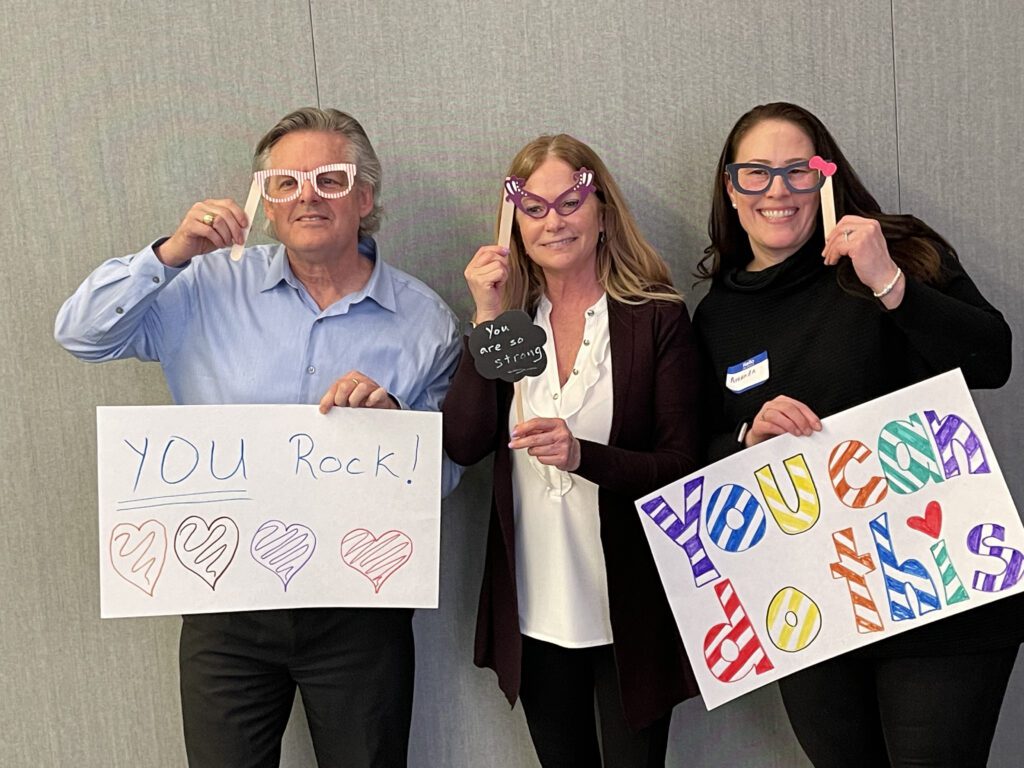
x=832, y=350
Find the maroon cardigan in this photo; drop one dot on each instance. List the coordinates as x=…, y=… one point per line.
x=653, y=442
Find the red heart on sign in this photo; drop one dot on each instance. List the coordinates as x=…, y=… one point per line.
x=376, y=558
x=818, y=164
x=931, y=523
x=137, y=553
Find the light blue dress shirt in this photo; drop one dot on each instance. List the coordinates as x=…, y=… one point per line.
x=249, y=332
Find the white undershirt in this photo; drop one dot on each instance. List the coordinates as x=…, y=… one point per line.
x=560, y=571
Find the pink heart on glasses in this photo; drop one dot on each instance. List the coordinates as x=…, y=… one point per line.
x=817, y=164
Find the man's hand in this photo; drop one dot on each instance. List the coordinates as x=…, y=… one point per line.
x=208, y=225
x=356, y=390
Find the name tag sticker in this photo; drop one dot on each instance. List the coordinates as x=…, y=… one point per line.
x=748, y=374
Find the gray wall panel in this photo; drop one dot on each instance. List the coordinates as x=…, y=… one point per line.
x=451, y=92
x=119, y=115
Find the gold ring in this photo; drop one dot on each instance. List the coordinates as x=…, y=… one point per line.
x=356, y=382
x=209, y=218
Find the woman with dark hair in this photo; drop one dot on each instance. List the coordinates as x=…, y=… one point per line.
x=881, y=303
x=571, y=606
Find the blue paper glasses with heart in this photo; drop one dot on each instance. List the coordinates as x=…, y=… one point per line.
x=755, y=178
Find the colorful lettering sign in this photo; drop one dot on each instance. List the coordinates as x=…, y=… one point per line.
x=893, y=516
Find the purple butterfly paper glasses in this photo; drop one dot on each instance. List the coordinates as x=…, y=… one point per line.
x=566, y=204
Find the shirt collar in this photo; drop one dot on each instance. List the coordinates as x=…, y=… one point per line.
x=380, y=287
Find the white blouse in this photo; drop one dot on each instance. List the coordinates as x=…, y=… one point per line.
x=560, y=571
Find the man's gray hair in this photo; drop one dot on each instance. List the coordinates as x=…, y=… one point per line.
x=332, y=121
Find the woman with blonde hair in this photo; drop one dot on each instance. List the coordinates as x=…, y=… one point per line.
x=571, y=606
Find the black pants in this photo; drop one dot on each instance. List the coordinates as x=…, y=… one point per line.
x=354, y=668
x=558, y=691
x=919, y=711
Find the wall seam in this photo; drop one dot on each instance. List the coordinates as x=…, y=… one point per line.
x=896, y=106
x=312, y=42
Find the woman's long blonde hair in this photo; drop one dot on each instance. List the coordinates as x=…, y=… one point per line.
x=628, y=267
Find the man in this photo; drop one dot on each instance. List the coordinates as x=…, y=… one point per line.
x=278, y=327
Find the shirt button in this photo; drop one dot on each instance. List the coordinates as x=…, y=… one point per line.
x=554, y=396
x=120, y=310
x=590, y=313
x=575, y=372
x=156, y=279
x=311, y=369
x=586, y=342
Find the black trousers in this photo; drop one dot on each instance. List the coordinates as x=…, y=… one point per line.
x=354, y=668
x=558, y=690
x=919, y=711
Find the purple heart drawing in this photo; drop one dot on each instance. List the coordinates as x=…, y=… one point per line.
x=206, y=549
x=283, y=549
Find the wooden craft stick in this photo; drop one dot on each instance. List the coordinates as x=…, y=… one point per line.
x=508, y=212
x=251, y=203
x=828, y=207
x=828, y=201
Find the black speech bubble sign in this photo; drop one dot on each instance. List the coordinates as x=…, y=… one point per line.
x=509, y=347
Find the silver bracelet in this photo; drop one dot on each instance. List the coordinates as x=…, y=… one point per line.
x=890, y=285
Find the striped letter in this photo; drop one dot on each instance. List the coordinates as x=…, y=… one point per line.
x=853, y=567
x=685, y=532
x=899, y=575
x=793, y=620
x=951, y=584
x=952, y=429
x=860, y=497
x=921, y=466
x=731, y=649
x=978, y=539
x=808, y=508
x=734, y=518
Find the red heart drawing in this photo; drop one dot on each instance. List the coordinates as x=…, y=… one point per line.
x=818, y=164
x=137, y=553
x=206, y=550
x=931, y=523
x=375, y=558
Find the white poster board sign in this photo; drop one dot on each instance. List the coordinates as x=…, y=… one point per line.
x=895, y=515
x=245, y=507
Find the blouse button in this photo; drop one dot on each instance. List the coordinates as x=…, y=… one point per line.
x=554, y=396
x=590, y=313
x=586, y=342
x=575, y=372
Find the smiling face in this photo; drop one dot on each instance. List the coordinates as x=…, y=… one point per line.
x=777, y=221
x=313, y=227
x=563, y=245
